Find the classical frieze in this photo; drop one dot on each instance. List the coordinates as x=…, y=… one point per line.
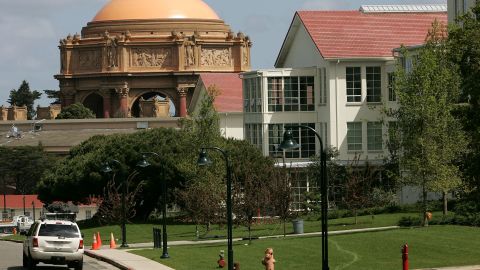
x=151, y=57
x=215, y=57
x=89, y=59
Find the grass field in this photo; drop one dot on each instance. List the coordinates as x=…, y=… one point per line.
x=432, y=246
x=142, y=233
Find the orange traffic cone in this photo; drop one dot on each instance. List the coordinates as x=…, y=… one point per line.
x=112, y=241
x=94, y=243
x=99, y=240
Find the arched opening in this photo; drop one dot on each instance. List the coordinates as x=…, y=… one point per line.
x=95, y=103
x=136, y=109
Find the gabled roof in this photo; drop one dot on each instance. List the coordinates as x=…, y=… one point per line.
x=16, y=201
x=355, y=34
x=230, y=98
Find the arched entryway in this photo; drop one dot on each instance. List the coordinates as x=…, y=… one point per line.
x=150, y=96
x=95, y=103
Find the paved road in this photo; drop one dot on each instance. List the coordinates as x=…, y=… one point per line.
x=11, y=259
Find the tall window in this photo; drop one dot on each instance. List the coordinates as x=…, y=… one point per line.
x=374, y=136
x=254, y=134
x=304, y=137
x=252, y=95
x=291, y=94
x=391, y=90
x=275, y=100
x=354, y=136
x=354, y=84
x=374, y=84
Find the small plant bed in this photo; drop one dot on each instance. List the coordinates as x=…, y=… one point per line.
x=434, y=246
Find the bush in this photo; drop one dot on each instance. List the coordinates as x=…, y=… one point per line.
x=75, y=111
x=409, y=221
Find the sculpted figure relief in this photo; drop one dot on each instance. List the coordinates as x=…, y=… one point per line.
x=89, y=59
x=189, y=55
x=215, y=57
x=148, y=57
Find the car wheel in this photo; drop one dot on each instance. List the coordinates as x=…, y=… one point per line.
x=25, y=260
x=31, y=263
x=79, y=265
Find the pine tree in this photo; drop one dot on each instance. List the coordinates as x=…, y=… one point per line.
x=24, y=97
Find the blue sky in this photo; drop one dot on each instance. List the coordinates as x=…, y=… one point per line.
x=30, y=31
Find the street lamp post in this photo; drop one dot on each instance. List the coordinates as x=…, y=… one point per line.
x=289, y=143
x=107, y=169
x=202, y=161
x=144, y=163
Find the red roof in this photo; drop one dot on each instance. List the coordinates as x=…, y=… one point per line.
x=230, y=98
x=351, y=34
x=16, y=201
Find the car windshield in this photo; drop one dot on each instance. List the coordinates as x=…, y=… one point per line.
x=60, y=230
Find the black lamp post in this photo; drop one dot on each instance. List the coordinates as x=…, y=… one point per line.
x=107, y=169
x=202, y=161
x=289, y=143
x=144, y=163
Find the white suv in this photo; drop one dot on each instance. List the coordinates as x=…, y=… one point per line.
x=53, y=242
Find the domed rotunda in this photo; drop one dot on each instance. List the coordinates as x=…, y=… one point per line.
x=136, y=58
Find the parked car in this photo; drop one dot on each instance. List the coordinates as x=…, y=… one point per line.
x=58, y=242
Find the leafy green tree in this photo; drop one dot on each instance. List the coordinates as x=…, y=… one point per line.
x=22, y=167
x=23, y=96
x=464, y=49
x=75, y=111
x=53, y=94
x=431, y=139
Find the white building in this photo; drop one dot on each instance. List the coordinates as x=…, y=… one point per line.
x=458, y=7
x=333, y=73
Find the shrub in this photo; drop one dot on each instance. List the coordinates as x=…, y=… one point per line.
x=75, y=111
x=409, y=221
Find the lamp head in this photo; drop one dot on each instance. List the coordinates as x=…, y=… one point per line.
x=106, y=168
x=203, y=159
x=143, y=163
x=288, y=142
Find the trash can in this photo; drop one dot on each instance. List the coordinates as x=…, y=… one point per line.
x=297, y=226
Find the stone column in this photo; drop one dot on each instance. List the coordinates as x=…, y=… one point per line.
x=106, y=102
x=123, y=93
x=182, y=93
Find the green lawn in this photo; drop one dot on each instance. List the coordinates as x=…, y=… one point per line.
x=433, y=246
x=141, y=233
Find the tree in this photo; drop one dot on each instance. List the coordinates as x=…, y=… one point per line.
x=358, y=186
x=431, y=139
x=464, y=50
x=75, y=111
x=53, y=94
x=24, y=97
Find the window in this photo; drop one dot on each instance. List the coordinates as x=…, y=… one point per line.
x=354, y=84
x=374, y=84
x=291, y=94
x=253, y=134
x=374, y=136
x=275, y=100
x=88, y=214
x=252, y=95
x=354, y=136
x=304, y=137
x=391, y=90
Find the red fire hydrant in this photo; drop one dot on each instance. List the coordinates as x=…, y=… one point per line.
x=405, y=257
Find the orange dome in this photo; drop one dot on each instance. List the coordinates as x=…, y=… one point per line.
x=117, y=10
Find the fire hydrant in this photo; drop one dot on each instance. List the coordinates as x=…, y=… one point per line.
x=405, y=257
x=221, y=260
x=14, y=231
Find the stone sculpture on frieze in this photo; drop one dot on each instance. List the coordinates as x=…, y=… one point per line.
x=151, y=57
x=215, y=57
x=89, y=59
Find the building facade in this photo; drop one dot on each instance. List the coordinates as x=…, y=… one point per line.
x=458, y=7
x=142, y=50
x=334, y=73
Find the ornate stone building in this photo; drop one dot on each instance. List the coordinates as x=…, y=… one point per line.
x=140, y=50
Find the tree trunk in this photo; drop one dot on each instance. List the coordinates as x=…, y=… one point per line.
x=284, y=228
x=445, y=203
x=249, y=234
x=355, y=215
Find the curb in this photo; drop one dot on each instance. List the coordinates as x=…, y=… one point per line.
x=107, y=260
